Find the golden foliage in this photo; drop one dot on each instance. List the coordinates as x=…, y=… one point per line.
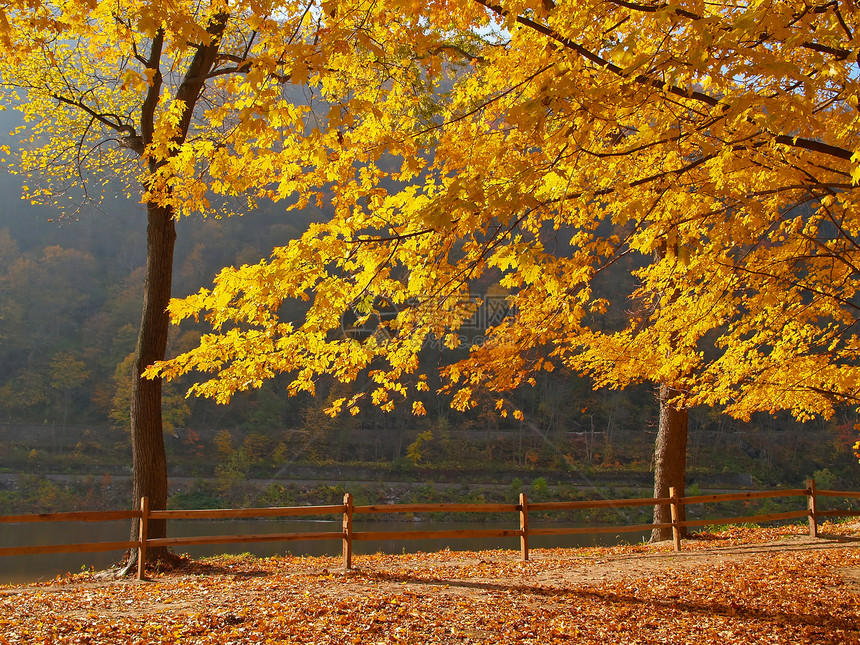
x=534, y=145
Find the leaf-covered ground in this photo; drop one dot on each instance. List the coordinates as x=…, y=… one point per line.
x=739, y=586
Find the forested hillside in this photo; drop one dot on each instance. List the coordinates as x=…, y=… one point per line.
x=70, y=301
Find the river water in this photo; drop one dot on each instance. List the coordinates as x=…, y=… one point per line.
x=33, y=568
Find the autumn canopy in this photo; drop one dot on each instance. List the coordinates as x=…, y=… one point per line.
x=711, y=143
x=702, y=151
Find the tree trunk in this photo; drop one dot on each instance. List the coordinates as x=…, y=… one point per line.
x=670, y=460
x=147, y=439
x=149, y=461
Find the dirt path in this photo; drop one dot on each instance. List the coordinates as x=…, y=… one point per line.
x=560, y=568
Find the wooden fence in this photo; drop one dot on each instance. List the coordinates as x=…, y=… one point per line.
x=348, y=511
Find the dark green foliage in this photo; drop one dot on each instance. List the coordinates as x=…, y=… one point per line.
x=200, y=495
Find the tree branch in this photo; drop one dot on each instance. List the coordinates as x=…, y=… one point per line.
x=150, y=103
x=198, y=70
x=390, y=238
x=795, y=142
x=101, y=118
x=836, y=52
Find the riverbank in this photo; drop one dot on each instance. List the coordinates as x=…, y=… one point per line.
x=49, y=493
x=736, y=586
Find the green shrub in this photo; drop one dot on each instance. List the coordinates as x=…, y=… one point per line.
x=540, y=488
x=824, y=479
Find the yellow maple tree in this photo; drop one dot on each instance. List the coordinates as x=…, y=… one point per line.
x=711, y=144
x=190, y=106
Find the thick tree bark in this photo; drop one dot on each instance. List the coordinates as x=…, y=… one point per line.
x=670, y=459
x=147, y=439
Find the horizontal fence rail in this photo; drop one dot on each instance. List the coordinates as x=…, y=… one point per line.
x=75, y=516
x=348, y=510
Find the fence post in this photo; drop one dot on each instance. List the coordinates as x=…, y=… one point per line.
x=524, y=527
x=674, y=508
x=143, y=526
x=347, y=531
x=811, y=506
